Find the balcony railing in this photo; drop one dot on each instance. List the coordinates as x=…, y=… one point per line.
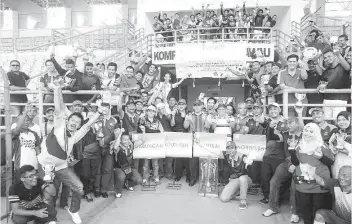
x=252, y=35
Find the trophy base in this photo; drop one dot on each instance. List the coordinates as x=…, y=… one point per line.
x=174, y=186
x=211, y=192
x=150, y=186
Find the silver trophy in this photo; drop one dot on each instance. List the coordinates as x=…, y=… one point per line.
x=48, y=171
x=300, y=97
x=340, y=140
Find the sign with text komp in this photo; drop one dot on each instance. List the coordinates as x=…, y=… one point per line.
x=178, y=145
x=163, y=55
x=152, y=148
x=252, y=145
x=209, y=145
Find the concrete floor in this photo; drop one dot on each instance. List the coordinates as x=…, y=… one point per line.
x=172, y=207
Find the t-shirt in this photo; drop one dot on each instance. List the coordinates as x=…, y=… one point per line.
x=312, y=82
x=20, y=81
x=34, y=128
x=89, y=83
x=294, y=81
x=337, y=78
x=28, y=199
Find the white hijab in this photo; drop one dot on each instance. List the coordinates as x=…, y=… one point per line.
x=309, y=147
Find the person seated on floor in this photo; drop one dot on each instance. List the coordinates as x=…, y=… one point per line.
x=239, y=179
x=31, y=198
x=341, y=190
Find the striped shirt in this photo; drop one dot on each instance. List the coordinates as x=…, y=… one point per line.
x=27, y=198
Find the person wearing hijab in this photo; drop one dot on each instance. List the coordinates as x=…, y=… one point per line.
x=314, y=158
x=340, y=143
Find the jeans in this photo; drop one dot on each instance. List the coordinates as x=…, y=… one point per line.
x=91, y=175
x=240, y=184
x=106, y=172
x=71, y=180
x=18, y=219
x=281, y=176
x=155, y=165
x=269, y=166
x=120, y=178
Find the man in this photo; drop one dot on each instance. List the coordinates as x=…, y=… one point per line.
x=293, y=78
x=144, y=98
x=172, y=105
x=90, y=82
x=130, y=118
x=139, y=108
x=249, y=103
x=341, y=191
x=327, y=129
x=26, y=141
x=31, y=198
x=47, y=81
x=274, y=154
x=56, y=150
x=342, y=43
x=72, y=78
x=195, y=122
x=128, y=83
x=334, y=77
x=150, y=78
x=211, y=106
x=314, y=77
x=283, y=172
x=253, y=126
x=18, y=81
x=104, y=130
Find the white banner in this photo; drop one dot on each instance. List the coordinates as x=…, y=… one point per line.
x=267, y=51
x=178, y=145
x=152, y=148
x=209, y=145
x=252, y=145
x=163, y=55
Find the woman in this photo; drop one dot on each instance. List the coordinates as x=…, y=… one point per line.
x=230, y=110
x=340, y=143
x=314, y=159
x=177, y=124
x=222, y=124
x=239, y=179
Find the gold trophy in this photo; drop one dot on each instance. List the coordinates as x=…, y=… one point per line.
x=48, y=171
x=300, y=97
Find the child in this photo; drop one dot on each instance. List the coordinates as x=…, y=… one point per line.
x=124, y=165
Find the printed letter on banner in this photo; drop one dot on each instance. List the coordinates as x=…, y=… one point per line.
x=251, y=145
x=178, y=145
x=163, y=55
x=209, y=145
x=152, y=148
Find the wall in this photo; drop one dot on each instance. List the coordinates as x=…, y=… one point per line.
x=235, y=90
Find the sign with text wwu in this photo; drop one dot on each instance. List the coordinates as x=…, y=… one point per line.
x=252, y=145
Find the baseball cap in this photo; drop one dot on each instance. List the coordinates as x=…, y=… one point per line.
x=49, y=109
x=130, y=102
x=312, y=110
x=274, y=105
x=77, y=102
x=250, y=99
x=151, y=107
x=182, y=101
x=197, y=103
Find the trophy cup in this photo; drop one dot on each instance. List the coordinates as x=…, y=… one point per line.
x=340, y=139
x=48, y=171
x=300, y=97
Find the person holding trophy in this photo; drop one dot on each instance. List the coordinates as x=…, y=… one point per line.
x=57, y=147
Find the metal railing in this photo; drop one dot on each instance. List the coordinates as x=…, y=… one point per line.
x=252, y=35
x=295, y=28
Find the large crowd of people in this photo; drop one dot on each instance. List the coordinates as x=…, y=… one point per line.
x=88, y=138
x=236, y=23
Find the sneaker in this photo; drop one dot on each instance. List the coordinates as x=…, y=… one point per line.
x=268, y=213
x=52, y=222
x=243, y=204
x=75, y=217
x=294, y=218
x=157, y=180
x=118, y=195
x=130, y=189
x=264, y=201
x=144, y=182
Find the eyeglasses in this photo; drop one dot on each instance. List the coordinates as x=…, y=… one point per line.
x=15, y=65
x=230, y=147
x=33, y=176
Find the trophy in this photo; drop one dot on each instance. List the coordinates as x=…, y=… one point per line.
x=340, y=140
x=208, y=184
x=300, y=97
x=48, y=171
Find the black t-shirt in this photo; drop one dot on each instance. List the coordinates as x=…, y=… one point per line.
x=179, y=123
x=337, y=78
x=165, y=122
x=27, y=198
x=312, y=82
x=20, y=81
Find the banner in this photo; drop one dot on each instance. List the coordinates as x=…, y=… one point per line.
x=152, y=148
x=252, y=145
x=209, y=145
x=163, y=55
x=178, y=145
x=267, y=51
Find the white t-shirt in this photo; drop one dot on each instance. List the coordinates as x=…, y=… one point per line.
x=34, y=128
x=28, y=153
